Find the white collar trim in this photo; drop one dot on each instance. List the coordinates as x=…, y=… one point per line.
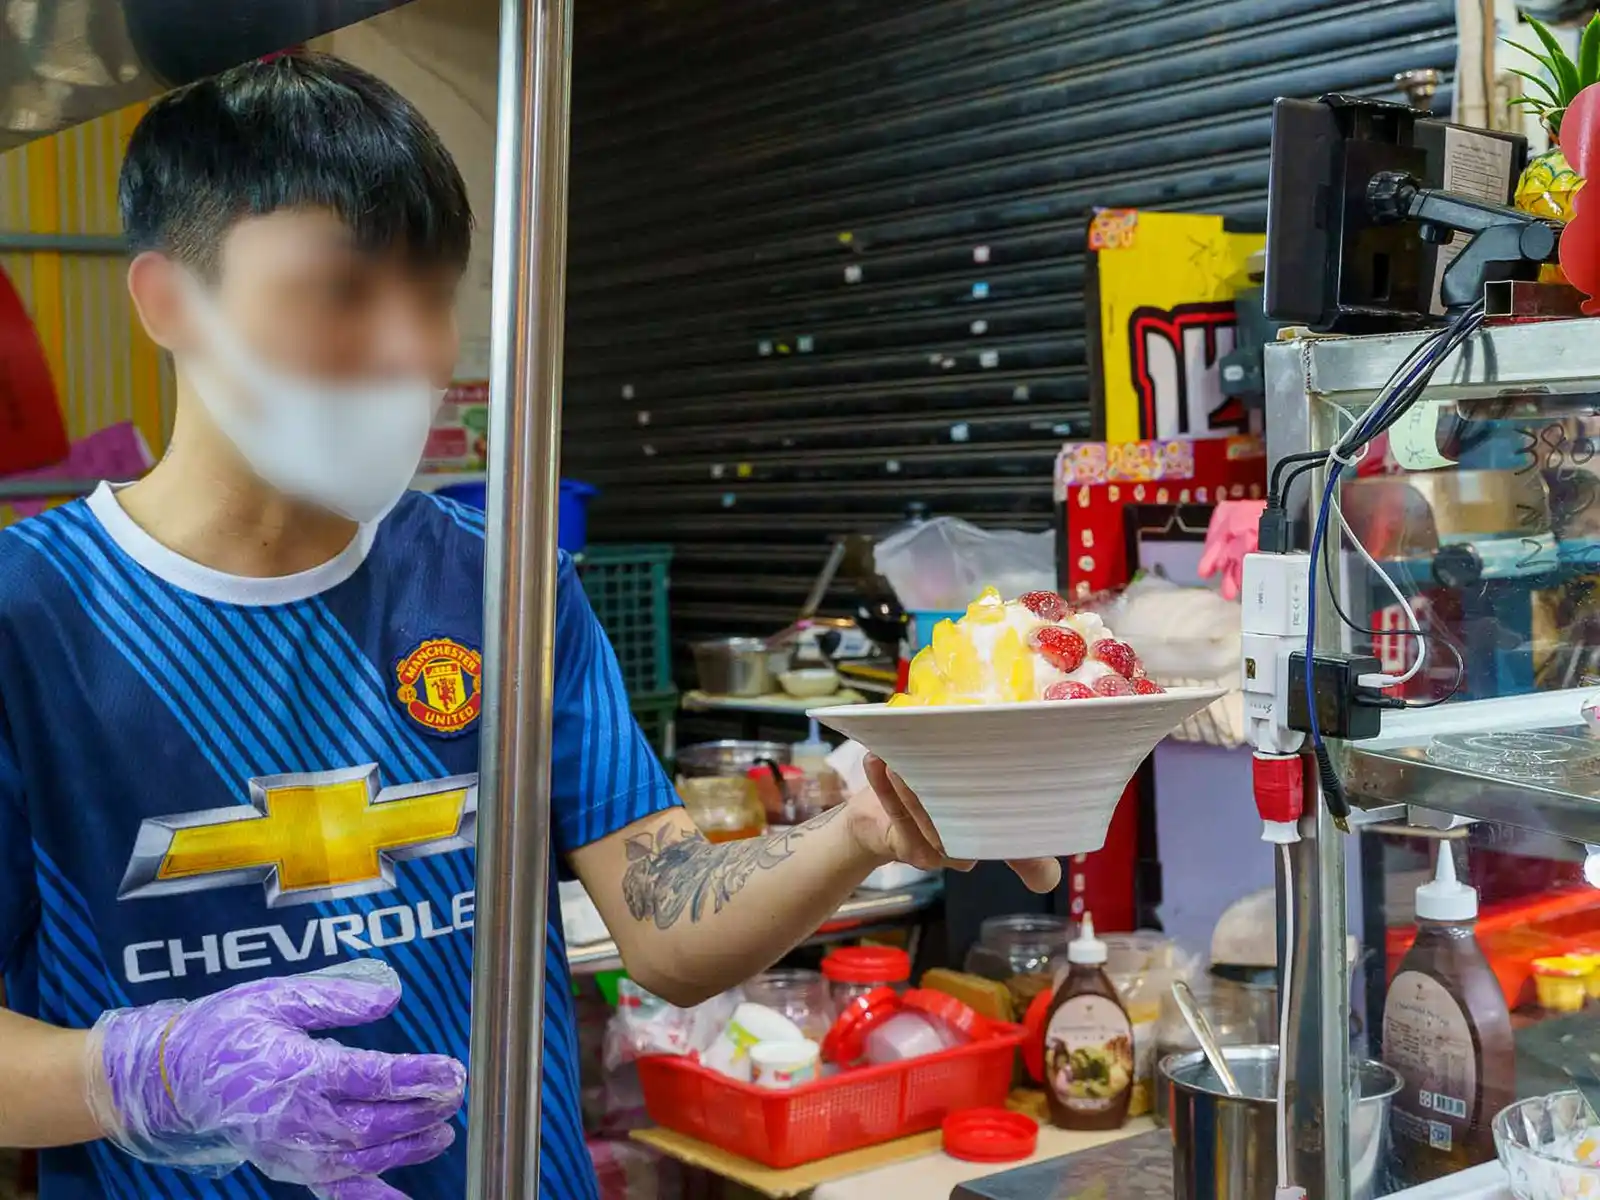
x=210, y=584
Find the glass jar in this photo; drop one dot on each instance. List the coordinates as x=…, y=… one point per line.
x=725, y=810
x=853, y=971
x=802, y=996
x=1020, y=951
x=795, y=801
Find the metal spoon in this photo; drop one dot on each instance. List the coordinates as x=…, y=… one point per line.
x=1201, y=1028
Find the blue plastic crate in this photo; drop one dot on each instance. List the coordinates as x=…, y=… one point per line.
x=627, y=587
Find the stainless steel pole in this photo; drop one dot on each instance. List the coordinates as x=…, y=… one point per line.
x=530, y=247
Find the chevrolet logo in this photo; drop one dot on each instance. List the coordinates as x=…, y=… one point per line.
x=310, y=837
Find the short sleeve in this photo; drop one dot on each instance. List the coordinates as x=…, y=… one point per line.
x=603, y=773
x=19, y=895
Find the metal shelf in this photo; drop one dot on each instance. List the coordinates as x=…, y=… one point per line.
x=863, y=909
x=1525, y=761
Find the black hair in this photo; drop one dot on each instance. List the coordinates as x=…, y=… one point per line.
x=300, y=130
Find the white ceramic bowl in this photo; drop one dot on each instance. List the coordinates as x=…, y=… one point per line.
x=1019, y=780
x=808, y=683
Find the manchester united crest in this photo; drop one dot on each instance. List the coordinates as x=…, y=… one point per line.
x=441, y=686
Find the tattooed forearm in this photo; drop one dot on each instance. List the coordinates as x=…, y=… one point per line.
x=670, y=873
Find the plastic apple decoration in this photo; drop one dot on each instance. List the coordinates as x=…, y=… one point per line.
x=1580, y=241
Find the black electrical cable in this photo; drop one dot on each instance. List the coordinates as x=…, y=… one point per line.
x=1403, y=388
x=1350, y=623
x=1429, y=636
x=1276, y=495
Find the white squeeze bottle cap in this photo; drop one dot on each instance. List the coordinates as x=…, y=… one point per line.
x=1087, y=949
x=1446, y=899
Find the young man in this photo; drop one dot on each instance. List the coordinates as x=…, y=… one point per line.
x=239, y=706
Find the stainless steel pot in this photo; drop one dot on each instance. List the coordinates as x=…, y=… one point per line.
x=738, y=666
x=1225, y=1148
x=730, y=758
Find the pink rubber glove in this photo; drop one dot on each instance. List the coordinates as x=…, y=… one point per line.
x=235, y=1078
x=1233, y=533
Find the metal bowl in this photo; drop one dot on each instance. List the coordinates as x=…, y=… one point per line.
x=730, y=757
x=738, y=666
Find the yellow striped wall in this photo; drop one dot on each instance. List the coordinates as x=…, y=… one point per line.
x=105, y=369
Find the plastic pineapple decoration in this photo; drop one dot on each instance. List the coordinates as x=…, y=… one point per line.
x=1548, y=185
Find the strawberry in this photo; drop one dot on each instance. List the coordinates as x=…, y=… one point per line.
x=1062, y=648
x=1147, y=687
x=1119, y=656
x=1069, y=689
x=1047, y=606
x=1112, y=685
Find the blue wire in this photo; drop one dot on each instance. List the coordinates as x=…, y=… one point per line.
x=1365, y=430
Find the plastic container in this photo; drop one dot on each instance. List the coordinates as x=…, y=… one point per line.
x=779, y=1065
x=752, y=1023
x=572, y=515
x=1549, y=1147
x=792, y=804
x=928, y=1023
x=801, y=996
x=835, y=1115
x=1022, y=952
x=1562, y=984
x=853, y=971
x=725, y=810
x=1590, y=957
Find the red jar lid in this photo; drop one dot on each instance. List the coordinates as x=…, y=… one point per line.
x=1033, y=1043
x=989, y=1135
x=762, y=771
x=847, y=1040
x=867, y=964
x=960, y=1017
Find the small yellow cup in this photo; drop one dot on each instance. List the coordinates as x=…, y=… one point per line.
x=1562, y=983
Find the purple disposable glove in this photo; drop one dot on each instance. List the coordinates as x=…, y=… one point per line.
x=235, y=1078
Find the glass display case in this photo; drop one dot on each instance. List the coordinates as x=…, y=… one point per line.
x=1483, y=504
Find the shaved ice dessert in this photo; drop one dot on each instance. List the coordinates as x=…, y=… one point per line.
x=1031, y=648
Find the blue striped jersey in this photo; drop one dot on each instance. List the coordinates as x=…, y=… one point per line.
x=207, y=779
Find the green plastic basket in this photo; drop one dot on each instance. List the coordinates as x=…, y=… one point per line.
x=658, y=718
x=627, y=587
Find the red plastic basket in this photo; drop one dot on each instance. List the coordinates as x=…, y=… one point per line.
x=853, y=1109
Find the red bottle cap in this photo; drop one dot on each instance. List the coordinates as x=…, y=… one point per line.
x=1034, y=1024
x=960, y=1017
x=867, y=964
x=847, y=1040
x=989, y=1135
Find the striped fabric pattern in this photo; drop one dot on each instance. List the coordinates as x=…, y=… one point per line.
x=229, y=693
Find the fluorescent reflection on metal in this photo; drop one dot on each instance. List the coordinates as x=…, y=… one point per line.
x=67, y=61
x=530, y=239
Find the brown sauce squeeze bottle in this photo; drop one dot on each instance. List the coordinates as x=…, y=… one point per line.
x=1447, y=1032
x=1088, y=1042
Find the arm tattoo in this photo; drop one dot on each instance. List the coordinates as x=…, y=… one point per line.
x=670, y=872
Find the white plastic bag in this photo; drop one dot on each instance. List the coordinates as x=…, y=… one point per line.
x=645, y=1024
x=944, y=563
x=1180, y=632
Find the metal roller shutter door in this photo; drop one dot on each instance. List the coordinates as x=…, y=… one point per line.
x=827, y=258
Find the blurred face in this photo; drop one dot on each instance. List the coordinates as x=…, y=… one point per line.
x=321, y=365
x=305, y=302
